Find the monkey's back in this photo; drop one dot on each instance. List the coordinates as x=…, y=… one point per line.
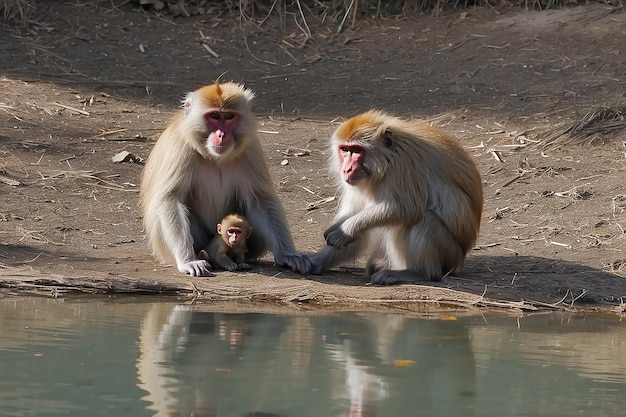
x=454, y=185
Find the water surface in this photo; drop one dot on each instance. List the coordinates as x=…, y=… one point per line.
x=130, y=357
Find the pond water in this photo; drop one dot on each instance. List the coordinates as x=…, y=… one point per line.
x=143, y=357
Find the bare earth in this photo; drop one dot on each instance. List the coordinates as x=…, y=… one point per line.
x=87, y=82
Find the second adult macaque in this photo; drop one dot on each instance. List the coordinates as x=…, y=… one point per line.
x=410, y=193
x=228, y=248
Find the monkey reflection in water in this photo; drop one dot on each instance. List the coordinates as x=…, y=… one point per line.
x=183, y=352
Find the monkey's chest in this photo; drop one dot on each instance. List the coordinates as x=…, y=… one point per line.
x=218, y=192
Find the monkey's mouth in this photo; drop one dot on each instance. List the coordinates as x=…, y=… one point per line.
x=217, y=149
x=353, y=181
x=356, y=176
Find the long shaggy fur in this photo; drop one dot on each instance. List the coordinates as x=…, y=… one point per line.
x=418, y=211
x=186, y=190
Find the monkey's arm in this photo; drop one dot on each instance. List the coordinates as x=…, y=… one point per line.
x=347, y=230
x=329, y=256
x=176, y=235
x=240, y=258
x=269, y=221
x=224, y=261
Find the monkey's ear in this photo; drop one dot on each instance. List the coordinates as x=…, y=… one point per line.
x=187, y=103
x=249, y=232
x=249, y=95
x=388, y=138
x=219, y=228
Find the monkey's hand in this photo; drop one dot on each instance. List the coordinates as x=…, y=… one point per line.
x=317, y=268
x=198, y=268
x=319, y=259
x=234, y=266
x=230, y=266
x=336, y=237
x=298, y=262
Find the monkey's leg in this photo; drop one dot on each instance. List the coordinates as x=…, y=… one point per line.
x=428, y=250
x=376, y=263
x=382, y=242
x=204, y=255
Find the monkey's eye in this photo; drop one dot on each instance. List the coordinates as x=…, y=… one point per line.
x=229, y=116
x=214, y=115
x=387, y=139
x=350, y=149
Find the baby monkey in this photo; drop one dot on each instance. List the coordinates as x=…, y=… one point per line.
x=228, y=248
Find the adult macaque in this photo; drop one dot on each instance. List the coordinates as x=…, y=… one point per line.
x=206, y=164
x=410, y=192
x=228, y=248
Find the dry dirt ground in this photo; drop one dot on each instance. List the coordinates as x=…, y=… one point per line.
x=85, y=81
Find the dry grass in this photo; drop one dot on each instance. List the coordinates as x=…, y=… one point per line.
x=597, y=125
x=343, y=13
x=18, y=11
x=600, y=120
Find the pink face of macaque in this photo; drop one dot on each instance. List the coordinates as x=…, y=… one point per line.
x=352, y=158
x=221, y=124
x=233, y=235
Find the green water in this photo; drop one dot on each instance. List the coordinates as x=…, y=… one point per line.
x=134, y=357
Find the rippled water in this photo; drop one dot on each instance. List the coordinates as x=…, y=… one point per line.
x=145, y=357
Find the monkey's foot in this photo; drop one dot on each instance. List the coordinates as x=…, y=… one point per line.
x=390, y=277
x=376, y=264
x=199, y=268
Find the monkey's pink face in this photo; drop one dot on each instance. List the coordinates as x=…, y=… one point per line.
x=352, y=159
x=221, y=125
x=234, y=235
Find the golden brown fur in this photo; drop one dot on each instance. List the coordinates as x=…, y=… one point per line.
x=417, y=204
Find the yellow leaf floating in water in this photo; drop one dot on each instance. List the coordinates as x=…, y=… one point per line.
x=404, y=363
x=448, y=318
